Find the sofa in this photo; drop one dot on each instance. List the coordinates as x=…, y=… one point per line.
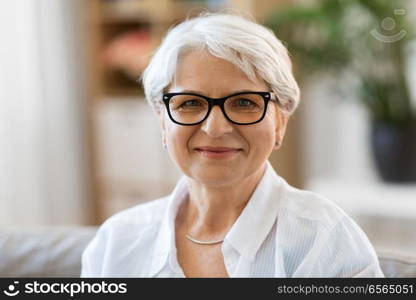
x=56, y=252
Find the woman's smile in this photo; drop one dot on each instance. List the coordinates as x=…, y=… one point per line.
x=217, y=152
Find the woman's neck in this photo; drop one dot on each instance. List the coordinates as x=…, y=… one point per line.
x=211, y=211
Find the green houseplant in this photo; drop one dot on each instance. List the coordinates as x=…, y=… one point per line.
x=369, y=40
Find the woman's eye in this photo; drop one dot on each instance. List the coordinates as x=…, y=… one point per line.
x=191, y=103
x=244, y=103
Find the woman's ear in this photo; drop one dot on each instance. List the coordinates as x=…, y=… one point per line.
x=281, y=124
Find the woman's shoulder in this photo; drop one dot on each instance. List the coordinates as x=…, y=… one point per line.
x=147, y=213
x=312, y=206
x=138, y=221
x=133, y=230
x=326, y=241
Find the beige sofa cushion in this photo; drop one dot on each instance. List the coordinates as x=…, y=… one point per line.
x=398, y=264
x=43, y=252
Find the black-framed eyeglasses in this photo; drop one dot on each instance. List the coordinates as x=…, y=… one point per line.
x=243, y=108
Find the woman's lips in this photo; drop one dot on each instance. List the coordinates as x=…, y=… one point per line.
x=217, y=152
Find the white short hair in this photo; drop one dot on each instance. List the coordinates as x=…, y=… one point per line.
x=253, y=48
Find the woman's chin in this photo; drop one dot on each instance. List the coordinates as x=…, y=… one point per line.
x=217, y=176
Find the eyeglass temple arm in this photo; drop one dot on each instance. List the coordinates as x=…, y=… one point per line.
x=273, y=97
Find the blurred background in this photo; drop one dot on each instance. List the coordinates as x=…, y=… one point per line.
x=78, y=143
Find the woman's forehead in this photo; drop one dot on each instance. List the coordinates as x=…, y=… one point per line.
x=202, y=60
x=200, y=71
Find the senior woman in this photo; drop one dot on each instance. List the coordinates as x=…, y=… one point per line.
x=223, y=90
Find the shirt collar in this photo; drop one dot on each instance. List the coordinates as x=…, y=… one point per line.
x=165, y=240
x=257, y=218
x=246, y=235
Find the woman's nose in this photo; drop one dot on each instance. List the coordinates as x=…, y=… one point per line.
x=216, y=124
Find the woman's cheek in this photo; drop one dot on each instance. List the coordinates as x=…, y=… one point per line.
x=262, y=137
x=178, y=137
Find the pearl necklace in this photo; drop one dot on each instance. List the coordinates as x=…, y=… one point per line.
x=203, y=242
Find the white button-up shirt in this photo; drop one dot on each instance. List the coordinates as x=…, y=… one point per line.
x=282, y=232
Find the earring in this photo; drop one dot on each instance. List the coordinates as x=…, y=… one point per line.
x=276, y=145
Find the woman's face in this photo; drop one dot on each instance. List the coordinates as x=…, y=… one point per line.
x=200, y=72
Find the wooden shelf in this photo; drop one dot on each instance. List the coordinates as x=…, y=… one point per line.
x=128, y=92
